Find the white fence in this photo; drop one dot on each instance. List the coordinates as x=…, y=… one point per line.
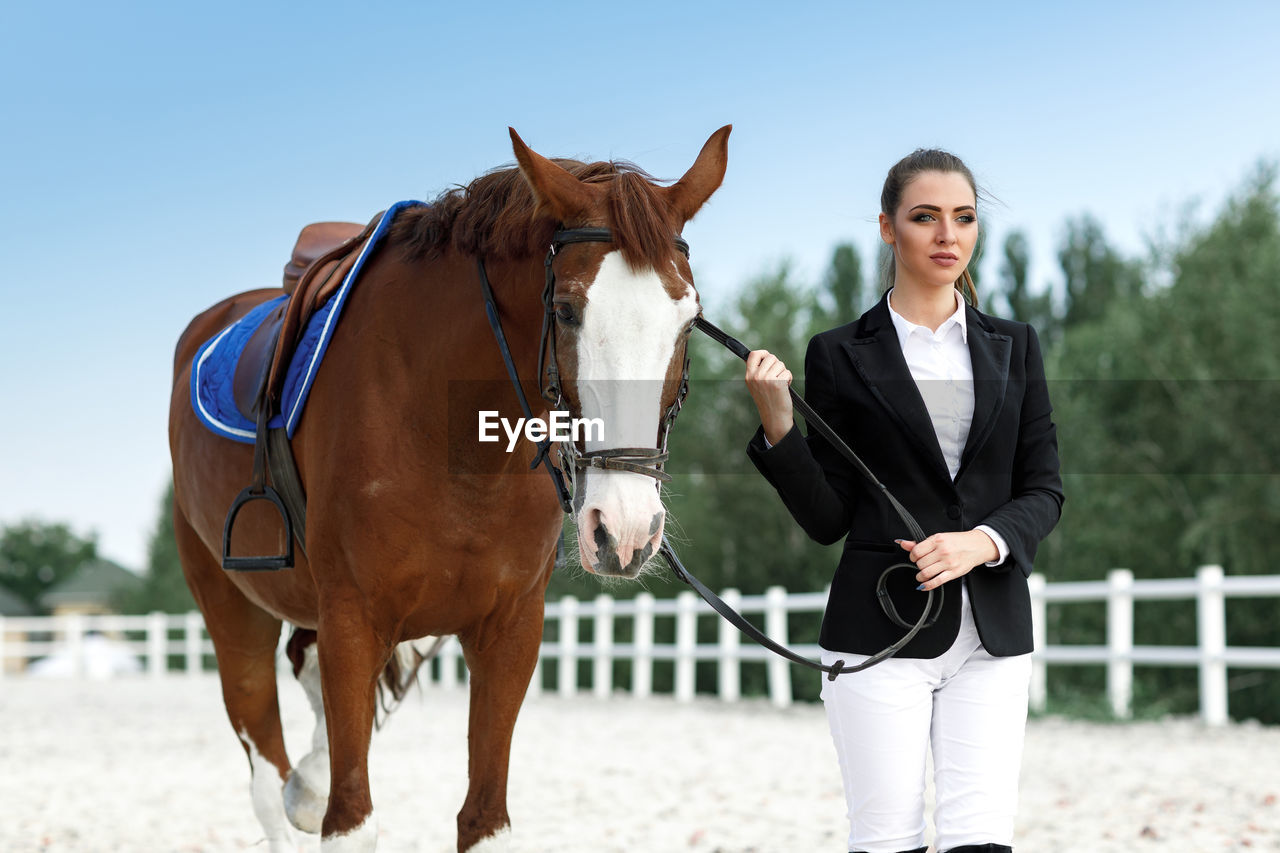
x=160, y=639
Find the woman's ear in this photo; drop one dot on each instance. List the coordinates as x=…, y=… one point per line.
x=886, y=229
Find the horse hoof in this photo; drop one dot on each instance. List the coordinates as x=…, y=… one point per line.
x=304, y=805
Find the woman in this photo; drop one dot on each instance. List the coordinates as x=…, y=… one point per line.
x=948, y=407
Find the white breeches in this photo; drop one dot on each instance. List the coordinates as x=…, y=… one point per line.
x=969, y=707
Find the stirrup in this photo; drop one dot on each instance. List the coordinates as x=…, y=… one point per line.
x=258, y=490
x=263, y=563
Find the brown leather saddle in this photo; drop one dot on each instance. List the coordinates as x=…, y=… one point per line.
x=324, y=254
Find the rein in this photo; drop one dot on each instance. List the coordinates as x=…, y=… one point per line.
x=649, y=461
x=927, y=617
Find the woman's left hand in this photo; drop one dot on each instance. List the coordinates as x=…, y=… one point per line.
x=946, y=556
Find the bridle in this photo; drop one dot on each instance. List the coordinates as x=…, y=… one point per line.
x=650, y=461
x=638, y=460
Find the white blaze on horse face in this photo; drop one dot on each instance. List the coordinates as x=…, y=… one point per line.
x=630, y=328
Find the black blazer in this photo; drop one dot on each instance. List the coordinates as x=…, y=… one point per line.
x=857, y=379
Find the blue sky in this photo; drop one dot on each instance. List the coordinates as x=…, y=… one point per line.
x=155, y=157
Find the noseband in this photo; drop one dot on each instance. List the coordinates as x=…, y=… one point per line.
x=648, y=461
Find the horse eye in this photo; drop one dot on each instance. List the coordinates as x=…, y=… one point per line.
x=564, y=313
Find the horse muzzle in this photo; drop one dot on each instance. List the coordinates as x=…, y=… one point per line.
x=616, y=545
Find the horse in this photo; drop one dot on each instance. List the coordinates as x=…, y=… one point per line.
x=414, y=526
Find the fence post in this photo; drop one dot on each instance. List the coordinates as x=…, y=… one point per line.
x=74, y=630
x=642, y=667
x=1120, y=642
x=535, y=681
x=729, y=671
x=193, y=639
x=775, y=625
x=1211, y=618
x=157, y=643
x=686, y=640
x=602, y=666
x=1038, y=693
x=567, y=669
x=449, y=664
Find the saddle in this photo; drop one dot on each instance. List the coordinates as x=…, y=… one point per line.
x=323, y=256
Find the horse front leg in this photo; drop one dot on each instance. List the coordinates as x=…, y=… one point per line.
x=351, y=656
x=501, y=659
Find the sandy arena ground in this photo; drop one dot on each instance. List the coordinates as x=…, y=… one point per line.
x=142, y=765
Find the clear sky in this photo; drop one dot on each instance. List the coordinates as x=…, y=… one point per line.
x=155, y=157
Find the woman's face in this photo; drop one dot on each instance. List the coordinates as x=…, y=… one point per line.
x=934, y=231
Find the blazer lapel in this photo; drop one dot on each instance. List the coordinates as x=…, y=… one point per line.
x=877, y=357
x=989, y=352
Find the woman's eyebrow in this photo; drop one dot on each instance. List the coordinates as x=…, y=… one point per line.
x=934, y=207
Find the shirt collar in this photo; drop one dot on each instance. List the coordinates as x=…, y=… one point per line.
x=905, y=327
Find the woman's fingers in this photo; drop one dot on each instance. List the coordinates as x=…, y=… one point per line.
x=767, y=380
x=763, y=365
x=935, y=562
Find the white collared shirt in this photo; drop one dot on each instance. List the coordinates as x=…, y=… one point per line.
x=940, y=364
x=943, y=370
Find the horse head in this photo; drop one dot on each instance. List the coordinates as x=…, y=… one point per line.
x=621, y=306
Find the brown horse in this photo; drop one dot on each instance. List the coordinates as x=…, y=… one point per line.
x=414, y=526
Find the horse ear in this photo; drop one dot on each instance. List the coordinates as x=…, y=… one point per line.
x=567, y=198
x=687, y=195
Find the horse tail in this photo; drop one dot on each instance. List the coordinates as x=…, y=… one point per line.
x=400, y=673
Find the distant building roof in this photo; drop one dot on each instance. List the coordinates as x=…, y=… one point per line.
x=93, y=584
x=12, y=605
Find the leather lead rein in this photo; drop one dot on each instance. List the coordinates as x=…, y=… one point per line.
x=649, y=461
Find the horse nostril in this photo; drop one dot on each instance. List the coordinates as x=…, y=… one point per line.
x=655, y=525
x=603, y=541
x=593, y=528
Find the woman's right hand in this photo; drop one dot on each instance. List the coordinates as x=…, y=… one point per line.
x=768, y=380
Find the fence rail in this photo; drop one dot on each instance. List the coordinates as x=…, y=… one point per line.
x=161, y=643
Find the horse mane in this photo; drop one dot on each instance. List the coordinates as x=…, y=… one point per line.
x=497, y=216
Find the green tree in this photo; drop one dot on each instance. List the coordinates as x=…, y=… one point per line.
x=1019, y=302
x=844, y=289
x=1166, y=414
x=1096, y=275
x=163, y=587
x=35, y=556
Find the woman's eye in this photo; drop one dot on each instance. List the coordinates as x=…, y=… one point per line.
x=923, y=217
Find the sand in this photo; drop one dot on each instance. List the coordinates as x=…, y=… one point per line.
x=137, y=764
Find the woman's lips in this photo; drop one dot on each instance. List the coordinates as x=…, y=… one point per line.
x=944, y=260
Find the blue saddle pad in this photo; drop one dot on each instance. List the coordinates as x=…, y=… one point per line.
x=214, y=367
